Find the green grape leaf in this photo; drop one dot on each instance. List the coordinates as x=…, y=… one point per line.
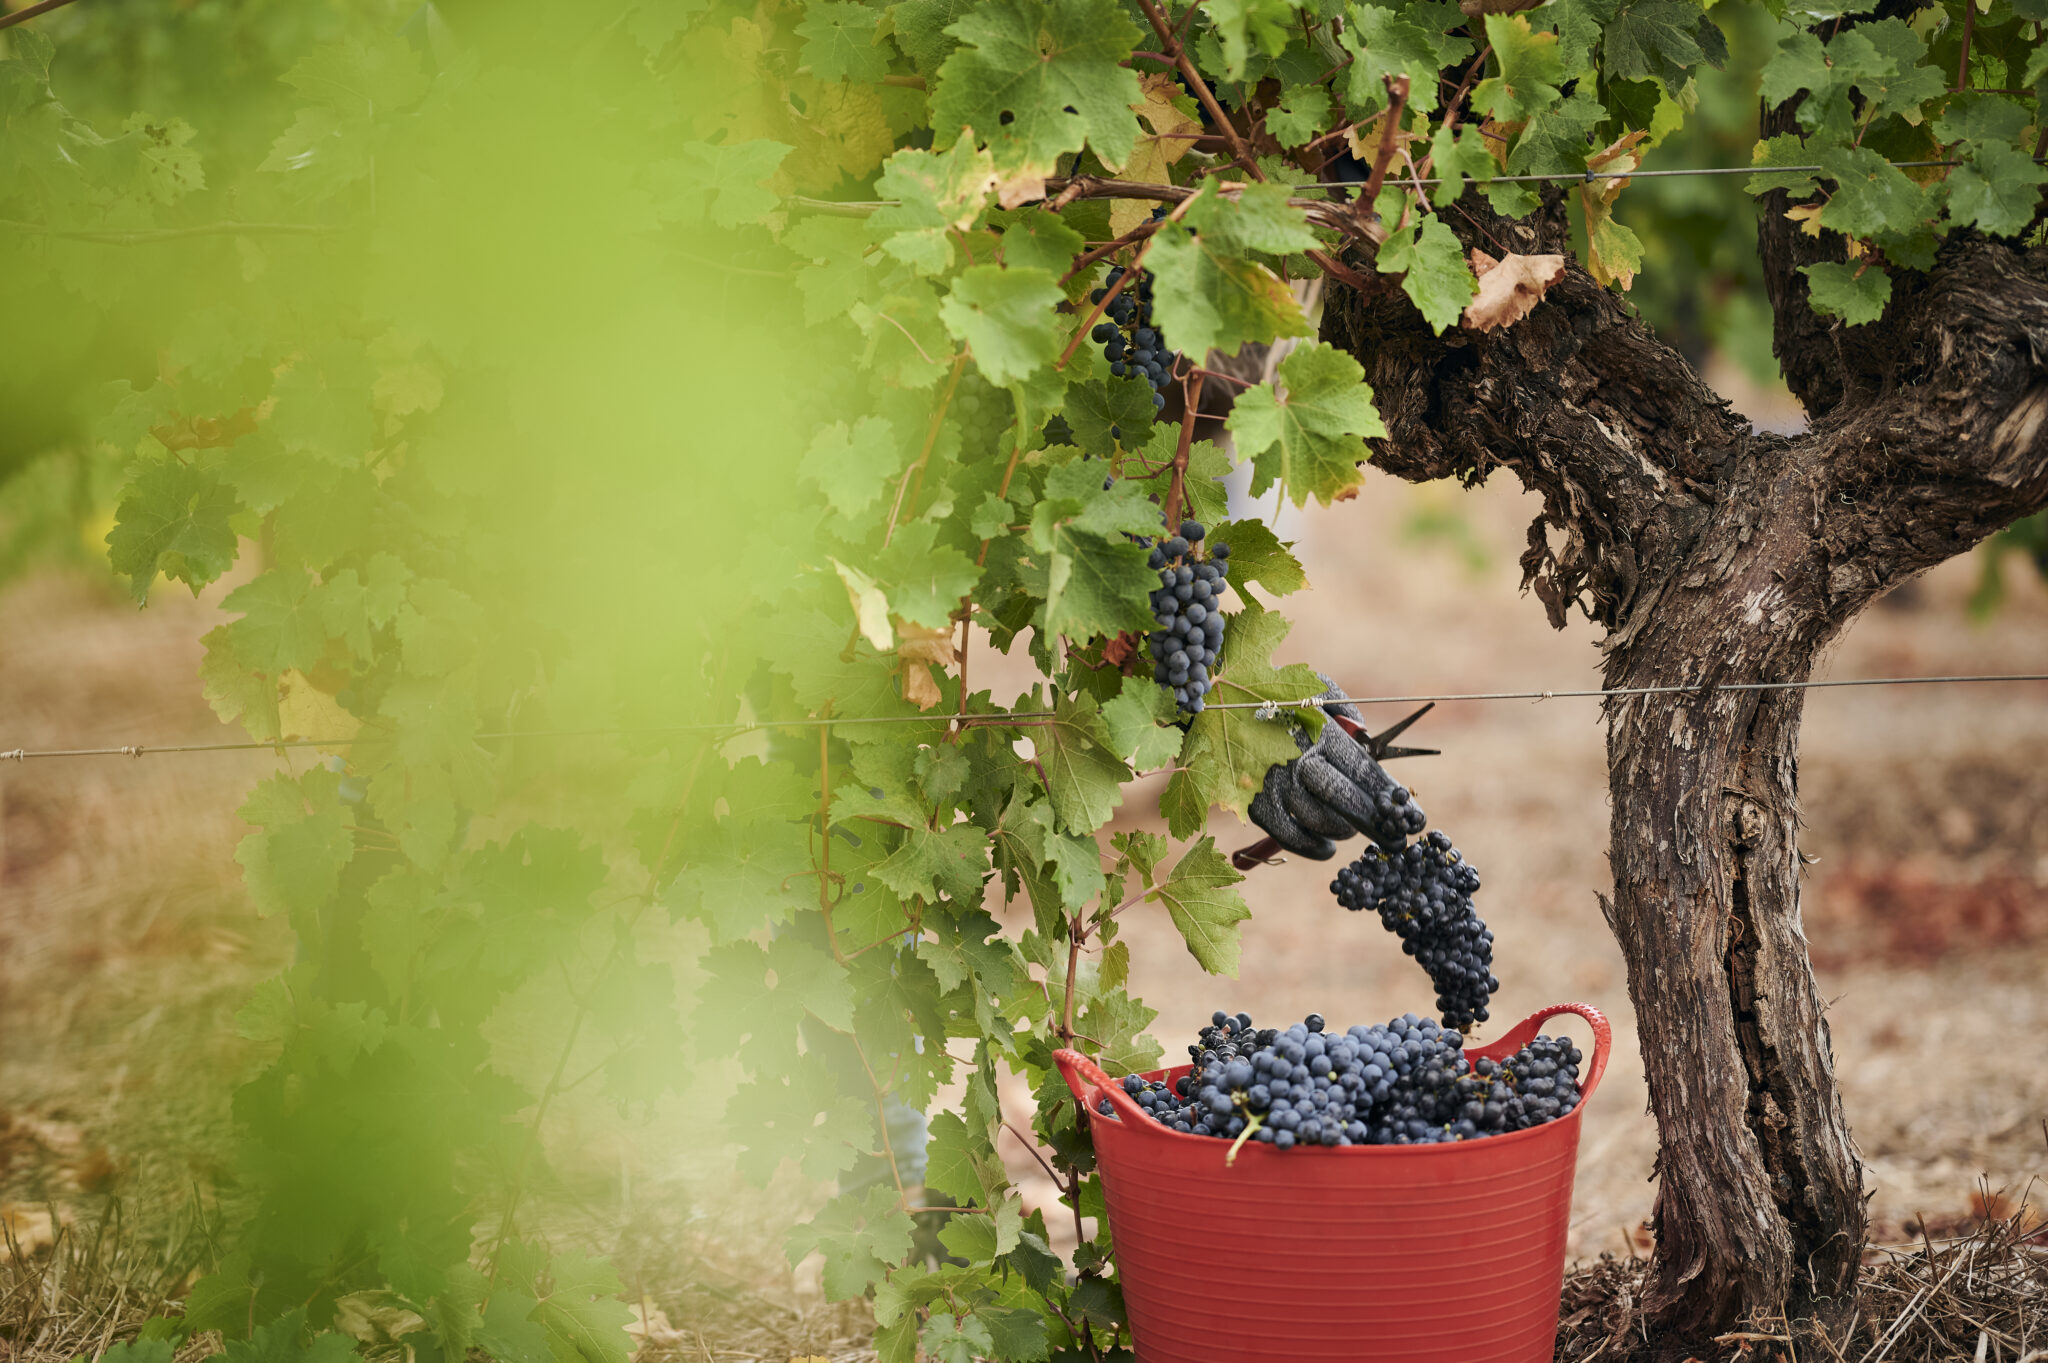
x=1204, y=909
x=860, y=1240
x=1908, y=84
x=760, y=1019
x=1303, y=111
x=1977, y=117
x=931, y=862
x=853, y=466
x=841, y=42
x=1139, y=719
x=1035, y=79
x=1034, y=239
x=1383, y=43
x=1458, y=157
x=1997, y=191
x=1242, y=25
x=1207, y=295
x=1657, y=39
x=280, y=1341
x=582, y=1309
x=294, y=865
x=1124, y=406
x=796, y=1112
x=1856, y=296
x=725, y=185
x=1783, y=150
x=1018, y=1333
x=1871, y=195
x=1007, y=317
x=1258, y=555
x=936, y=194
x=947, y=1338
x=1082, y=770
x=1529, y=71
x=173, y=519
x=283, y=624
x=1307, y=438
x=923, y=578
x=1434, y=273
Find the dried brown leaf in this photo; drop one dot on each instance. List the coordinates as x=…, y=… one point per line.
x=1509, y=288
x=919, y=648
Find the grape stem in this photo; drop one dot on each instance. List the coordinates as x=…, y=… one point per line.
x=1390, y=127
x=1191, y=387
x=1251, y=1128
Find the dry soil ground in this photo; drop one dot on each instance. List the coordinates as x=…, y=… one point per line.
x=125, y=943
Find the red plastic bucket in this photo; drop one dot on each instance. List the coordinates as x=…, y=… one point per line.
x=1347, y=1254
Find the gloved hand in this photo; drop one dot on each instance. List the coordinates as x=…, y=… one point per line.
x=1334, y=789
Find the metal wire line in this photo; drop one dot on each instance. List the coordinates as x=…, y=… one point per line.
x=998, y=719
x=1411, y=182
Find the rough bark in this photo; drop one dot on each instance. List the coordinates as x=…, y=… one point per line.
x=1715, y=556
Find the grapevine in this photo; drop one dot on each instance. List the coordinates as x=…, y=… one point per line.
x=612, y=432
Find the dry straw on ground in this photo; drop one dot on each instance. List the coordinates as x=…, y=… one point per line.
x=1981, y=1297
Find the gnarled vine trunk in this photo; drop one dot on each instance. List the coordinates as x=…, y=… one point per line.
x=1716, y=556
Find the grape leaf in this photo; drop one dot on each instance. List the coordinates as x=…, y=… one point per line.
x=725, y=185
x=860, y=1240
x=936, y=194
x=1203, y=907
x=1082, y=770
x=1433, y=271
x=1304, y=432
x=1258, y=555
x=947, y=1338
x=1529, y=71
x=1007, y=317
x=1139, y=719
x=1856, y=295
x=582, y=1309
x=923, y=578
x=173, y=519
x=1038, y=78
x=1302, y=112
x=1783, y=150
x=841, y=42
x=1383, y=43
x=853, y=466
x=1244, y=24
x=1997, y=191
x=1871, y=195
x=1207, y=295
x=1171, y=114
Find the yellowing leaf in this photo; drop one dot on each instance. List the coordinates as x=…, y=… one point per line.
x=870, y=606
x=1171, y=115
x=1613, y=252
x=1509, y=288
x=305, y=711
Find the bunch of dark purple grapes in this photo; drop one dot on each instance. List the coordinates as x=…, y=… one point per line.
x=1129, y=341
x=1408, y=1082
x=1423, y=894
x=1188, y=607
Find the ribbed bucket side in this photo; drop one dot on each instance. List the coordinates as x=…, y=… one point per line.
x=1361, y=1254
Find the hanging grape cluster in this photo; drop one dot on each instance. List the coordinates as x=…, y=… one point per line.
x=1407, y=1082
x=1187, y=605
x=1423, y=894
x=1129, y=341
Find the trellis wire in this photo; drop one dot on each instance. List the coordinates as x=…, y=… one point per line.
x=1412, y=182
x=998, y=718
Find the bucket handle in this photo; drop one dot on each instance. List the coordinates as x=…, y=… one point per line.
x=1603, y=1038
x=1090, y=1085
